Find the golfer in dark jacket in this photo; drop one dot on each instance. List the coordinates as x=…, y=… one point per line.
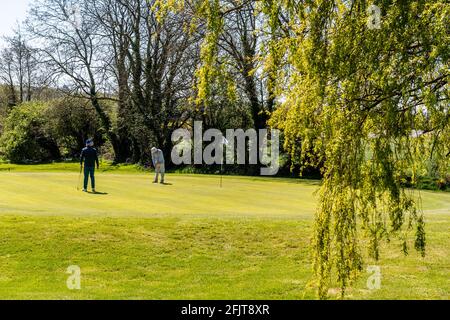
x=89, y=158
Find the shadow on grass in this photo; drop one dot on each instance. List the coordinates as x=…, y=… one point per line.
x=98, y=193
x=163, y=184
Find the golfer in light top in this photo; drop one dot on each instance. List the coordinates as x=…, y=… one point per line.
x=89, y=158
x=159, y=164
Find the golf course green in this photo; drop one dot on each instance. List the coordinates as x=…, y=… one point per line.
x=189, y=239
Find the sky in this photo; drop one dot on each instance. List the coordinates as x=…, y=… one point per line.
x=11, y=11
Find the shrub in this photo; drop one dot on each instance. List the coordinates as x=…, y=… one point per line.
x=72, y=121
x=25, y=137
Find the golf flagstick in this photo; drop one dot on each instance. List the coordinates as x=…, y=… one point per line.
x=221, y=175
x=225, y=143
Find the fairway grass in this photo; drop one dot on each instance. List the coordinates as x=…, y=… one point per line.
x=187, y=240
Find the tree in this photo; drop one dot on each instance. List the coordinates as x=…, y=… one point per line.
x=154, y=65
x=6, y=65
x=25, y=137
x=169, y=72
x=238, y=44
x=355, y=95
x=362, y=99
x=123, y=52
x=18, y=68
x=71, y=121
x=72, y=50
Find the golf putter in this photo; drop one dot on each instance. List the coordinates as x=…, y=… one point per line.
x=79, y=178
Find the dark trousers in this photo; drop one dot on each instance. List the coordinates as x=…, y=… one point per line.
x=89, y=172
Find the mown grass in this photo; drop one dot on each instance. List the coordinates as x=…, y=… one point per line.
x=106, y=166
x=187, y=240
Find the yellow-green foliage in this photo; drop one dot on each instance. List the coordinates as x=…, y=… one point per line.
x=353, y=99
x=353, y=104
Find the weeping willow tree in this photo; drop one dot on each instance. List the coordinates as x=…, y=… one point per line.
x=370, y=101
x=364, y=90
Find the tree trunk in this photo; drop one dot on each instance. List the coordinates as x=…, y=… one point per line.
x=106, y=123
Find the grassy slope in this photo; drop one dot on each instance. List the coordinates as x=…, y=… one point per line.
x=249, y=240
